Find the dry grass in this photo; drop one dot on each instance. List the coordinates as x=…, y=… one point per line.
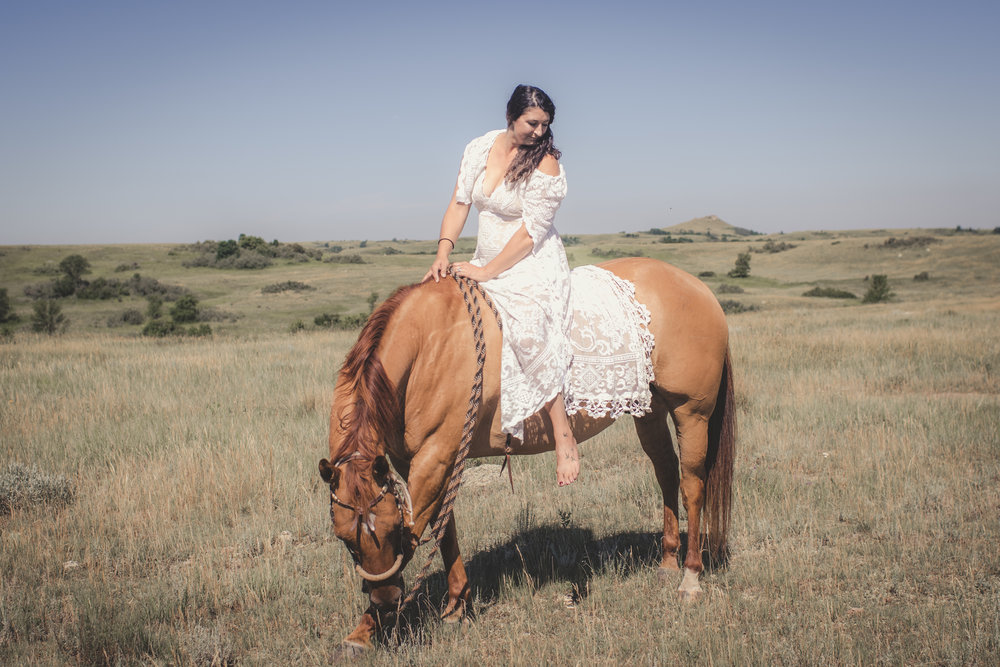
x=865, y=519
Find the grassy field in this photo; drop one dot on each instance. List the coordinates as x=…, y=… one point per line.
x=865, y=515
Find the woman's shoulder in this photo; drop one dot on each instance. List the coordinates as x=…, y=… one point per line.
x=549, y=165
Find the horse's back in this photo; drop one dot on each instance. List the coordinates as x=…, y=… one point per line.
x=687, y=323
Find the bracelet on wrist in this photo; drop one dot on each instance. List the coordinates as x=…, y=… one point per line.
x=445, y=238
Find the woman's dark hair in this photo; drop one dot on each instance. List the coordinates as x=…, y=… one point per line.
x=529, y=157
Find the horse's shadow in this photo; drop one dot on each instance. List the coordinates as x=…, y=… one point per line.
x=536, y=557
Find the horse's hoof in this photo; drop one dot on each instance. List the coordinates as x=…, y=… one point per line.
x=689, y=596
x=349, y=651
x=454, y=616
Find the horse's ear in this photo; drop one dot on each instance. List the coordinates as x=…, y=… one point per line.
x=380, y=467
x=327, y=471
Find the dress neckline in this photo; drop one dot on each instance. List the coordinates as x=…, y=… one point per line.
x=486, y=164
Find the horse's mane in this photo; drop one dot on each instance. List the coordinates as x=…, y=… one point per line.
x=368, y=404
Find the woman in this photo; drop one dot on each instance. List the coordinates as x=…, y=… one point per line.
x=514, y=178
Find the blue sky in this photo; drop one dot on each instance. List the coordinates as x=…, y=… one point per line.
x=154, y=121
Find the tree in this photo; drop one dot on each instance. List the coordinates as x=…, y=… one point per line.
x=48, y=317
x=74, y=267
x=742, y=267
x=185, y=309
x=372, y=300
x=879, y=290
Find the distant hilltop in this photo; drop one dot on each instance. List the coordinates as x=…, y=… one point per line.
x=710, y=224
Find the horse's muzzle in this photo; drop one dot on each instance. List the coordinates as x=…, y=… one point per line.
x=386, y=598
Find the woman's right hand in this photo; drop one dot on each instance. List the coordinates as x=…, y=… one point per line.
x=439, y=269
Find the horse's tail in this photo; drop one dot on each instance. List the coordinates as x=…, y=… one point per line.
x=719, y=461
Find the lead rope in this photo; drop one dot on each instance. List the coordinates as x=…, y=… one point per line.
x=470, y=289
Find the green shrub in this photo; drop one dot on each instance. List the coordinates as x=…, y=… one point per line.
x=726, y=288
x=122, y=268
x=159, y=328
x=878, y=290
x=612, y=253
x=296, y=252
x=570, y=240
x=731, y=307
x=102, y=289
x=185, y=310
x=326, y=319
x=675, y=239
x=253, y=243
x=742, y=267
x=335, y=321
x=199, y=330
x=919, y=241
x=707, y=274
x=39, y=291
x=139, y=285
x=48, y=317
x=5, y=309
x=345, y=259
x=249, y=261
x=830, y=292
x=64, y=286
x=771, y=247
x=287, y=286
x=132, y=316
x=23, y=486
x=923, y=275
x=297, y=326
x=226, y=249
x=154, y=306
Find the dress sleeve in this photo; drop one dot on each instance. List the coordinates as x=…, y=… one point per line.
x=541, y=199
x=473, y=162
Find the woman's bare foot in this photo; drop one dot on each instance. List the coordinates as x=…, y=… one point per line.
x=567, y=459
x=567, y=455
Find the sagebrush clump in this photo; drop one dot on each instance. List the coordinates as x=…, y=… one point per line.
x=830, y=293
x=24, y=486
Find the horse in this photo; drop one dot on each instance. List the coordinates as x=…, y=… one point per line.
x=402, y=393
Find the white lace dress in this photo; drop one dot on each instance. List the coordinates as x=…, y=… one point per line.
x=533, y=295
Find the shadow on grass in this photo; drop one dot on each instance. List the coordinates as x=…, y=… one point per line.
x=534, y=558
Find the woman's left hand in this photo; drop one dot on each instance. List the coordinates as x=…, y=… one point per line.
x=467, y=270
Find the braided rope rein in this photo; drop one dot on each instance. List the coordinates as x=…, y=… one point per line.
x=470, y=289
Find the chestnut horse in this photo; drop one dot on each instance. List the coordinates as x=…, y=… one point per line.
x=403, y=392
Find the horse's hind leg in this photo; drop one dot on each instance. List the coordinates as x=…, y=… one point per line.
x=692, y=441
x=654, y=434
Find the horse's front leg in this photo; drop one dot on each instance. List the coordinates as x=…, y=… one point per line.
x=360, y=639
x=458, y=581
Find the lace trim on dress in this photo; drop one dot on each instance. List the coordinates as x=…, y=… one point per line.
x=612, y=346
